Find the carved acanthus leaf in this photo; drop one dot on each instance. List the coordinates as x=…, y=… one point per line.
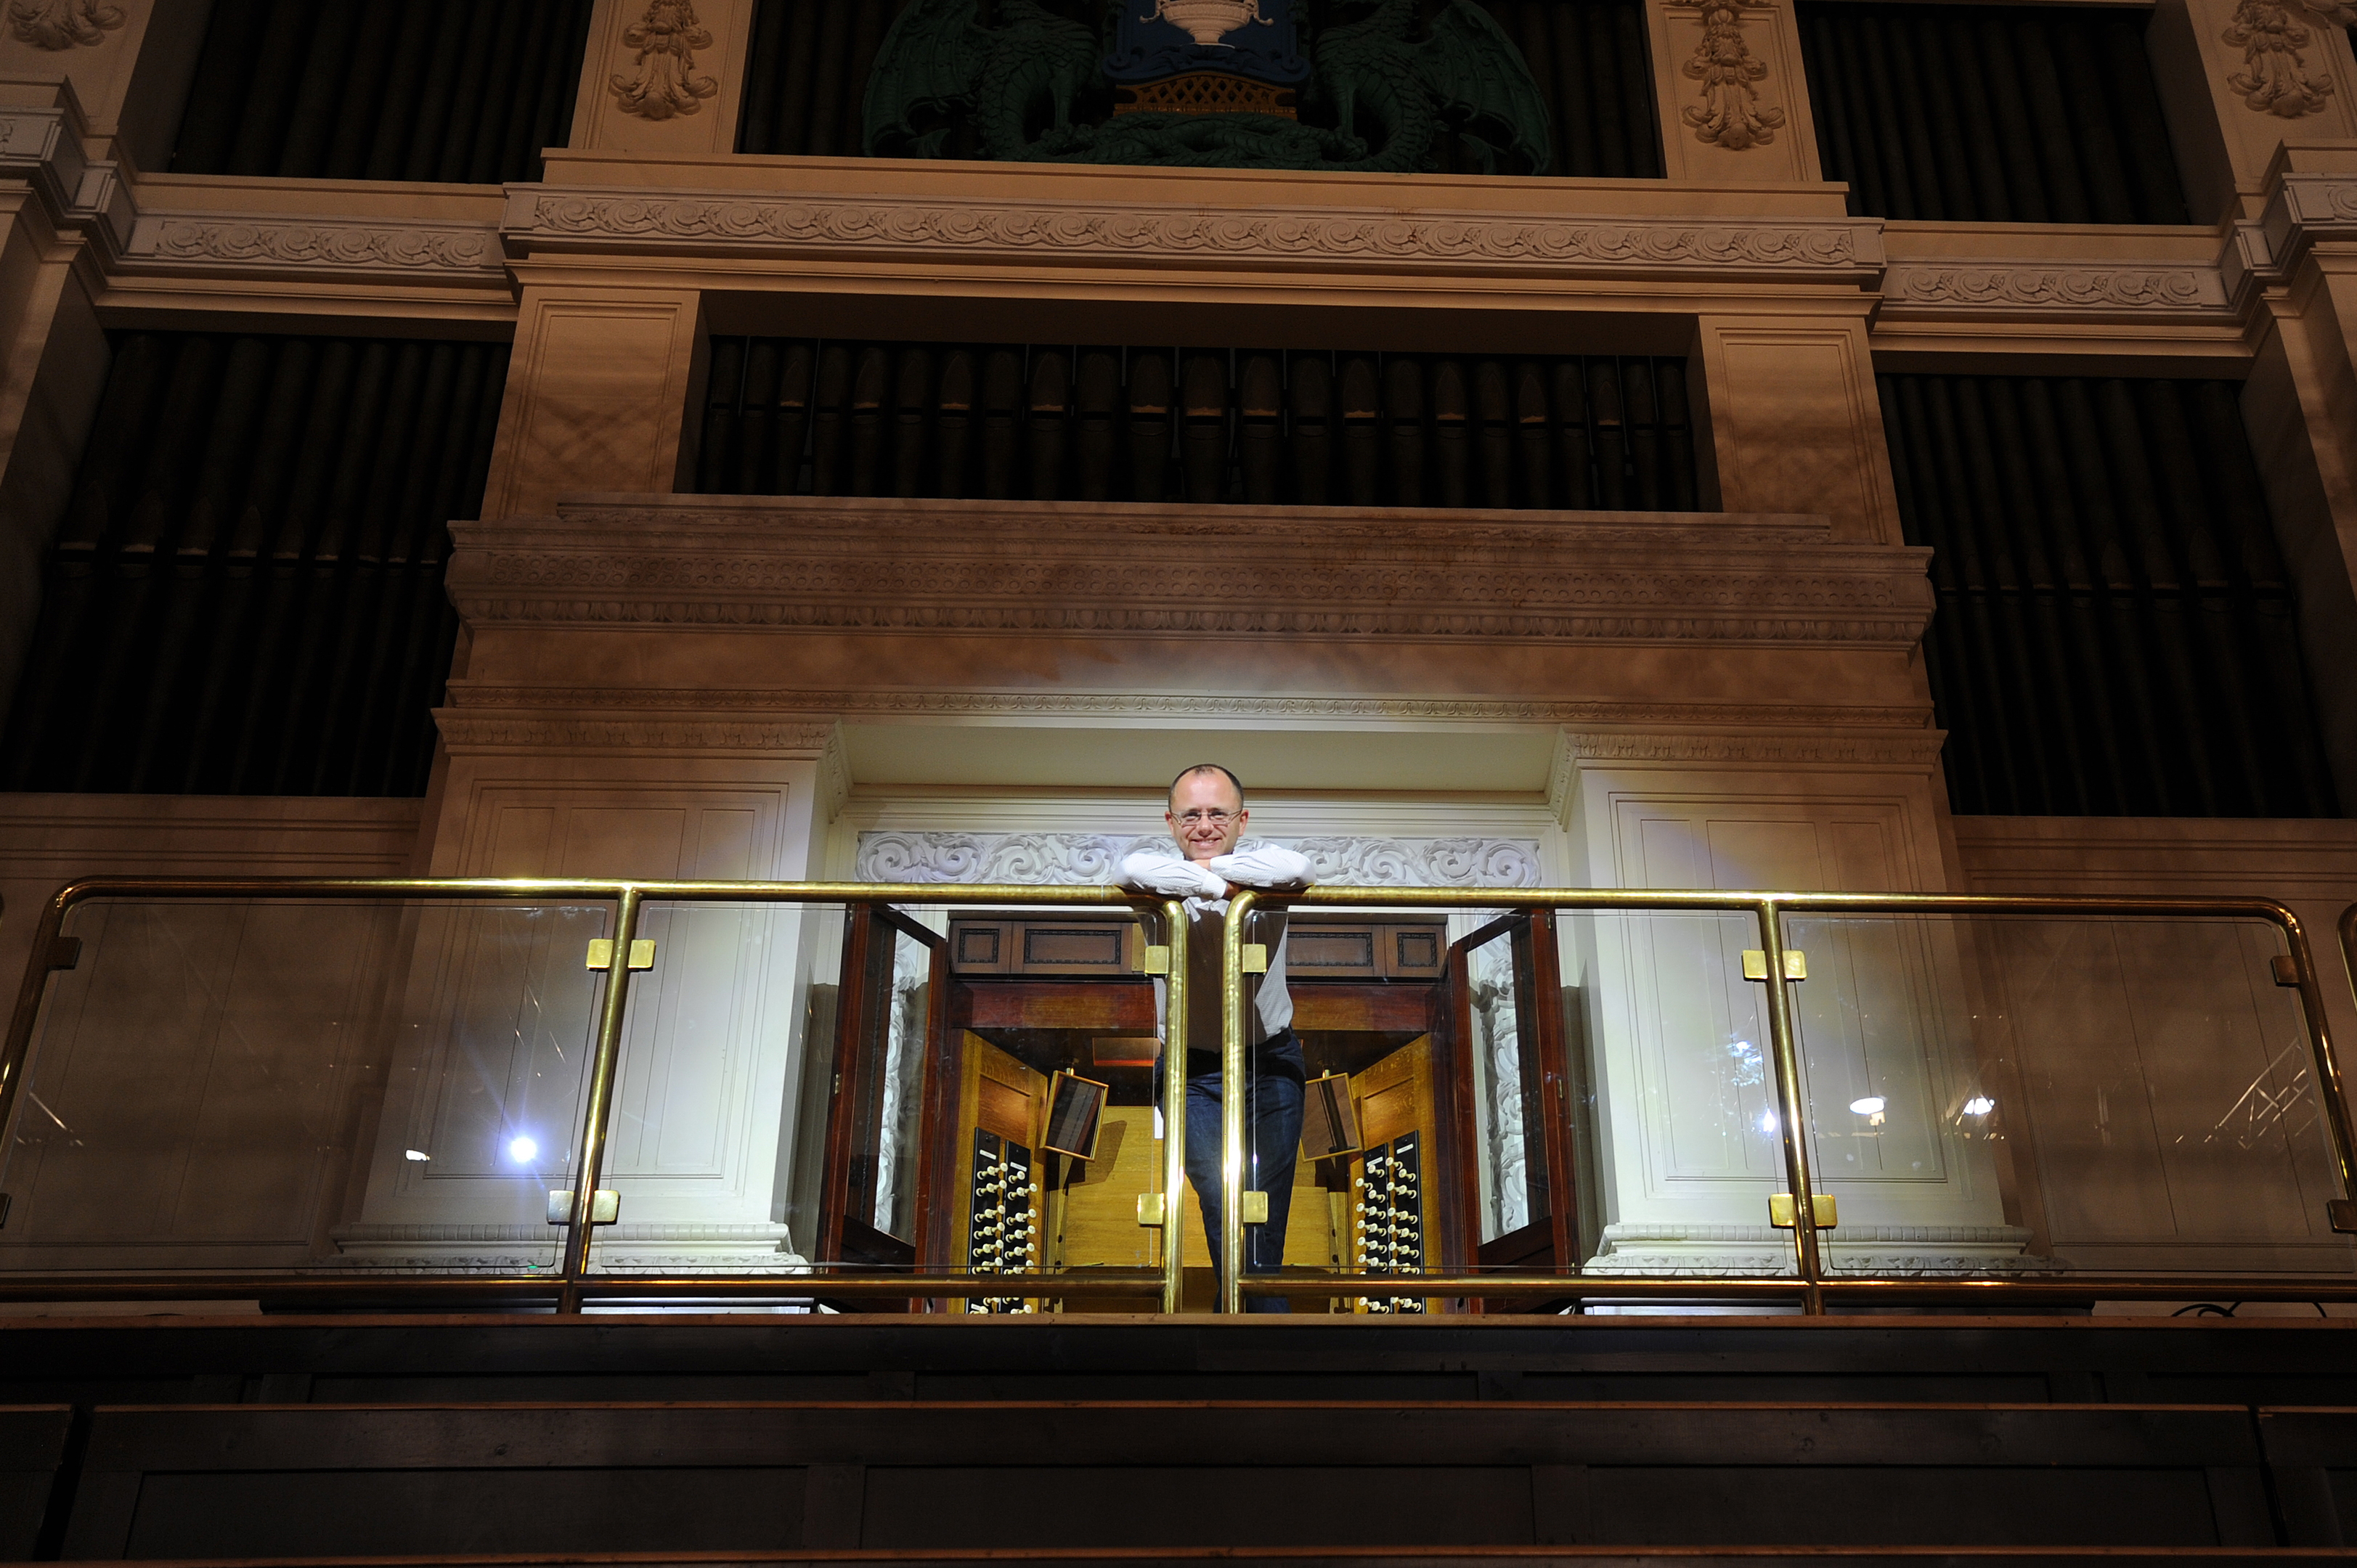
x=2274, y=79
x=63, y=23
x=1461, y=241
x=666, y=35
x=1729, y=115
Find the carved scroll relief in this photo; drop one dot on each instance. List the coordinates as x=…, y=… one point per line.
x=2274, y=79
x=666, y=35
x=1729, y=115
x=62, y=24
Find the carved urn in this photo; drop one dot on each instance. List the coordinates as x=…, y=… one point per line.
x=1208, y=21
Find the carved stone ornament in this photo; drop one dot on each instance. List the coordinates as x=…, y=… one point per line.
x=475, y=729
x=1074, y=569
x=666, y=35
x=929, y=231
x=62, y=24
x=1729, y=115
x=274, y=243
x=2274, y=79
x=1036, y=859
x=2041, y=284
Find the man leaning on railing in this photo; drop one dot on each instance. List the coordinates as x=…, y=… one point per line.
x=1207, y=816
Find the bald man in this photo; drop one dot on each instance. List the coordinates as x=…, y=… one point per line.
x=1206, y=816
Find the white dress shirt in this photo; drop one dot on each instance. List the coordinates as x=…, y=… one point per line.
x=1260, y=866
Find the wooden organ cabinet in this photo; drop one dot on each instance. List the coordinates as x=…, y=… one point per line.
x=935, y=1156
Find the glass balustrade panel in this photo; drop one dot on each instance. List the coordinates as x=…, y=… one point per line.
x=308, y=1086
x=2062, y=1099
x=886, y=1089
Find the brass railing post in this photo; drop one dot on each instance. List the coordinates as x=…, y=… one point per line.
x=1174, y=1110
x=1232, y=1104
x=603, y=1061
x=1792, y=1111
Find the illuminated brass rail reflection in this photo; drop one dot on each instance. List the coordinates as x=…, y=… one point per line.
x=575, y=1282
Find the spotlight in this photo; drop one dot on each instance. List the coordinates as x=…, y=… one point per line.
x=1979, y=1105
x=420, y=1155
x=1872, y=1105
x=522, y=1149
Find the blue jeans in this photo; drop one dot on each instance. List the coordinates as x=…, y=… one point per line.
x=1273, y=1087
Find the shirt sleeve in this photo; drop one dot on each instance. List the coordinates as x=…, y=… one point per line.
x=1171, y=877
x=1265, y=866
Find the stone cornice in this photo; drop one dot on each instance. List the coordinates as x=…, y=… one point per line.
x=1386, y=711
x=1904, y=748
x=486, y=730
x=214, y=244
x=1979, y=286
x=983, y=567
x=932, y=230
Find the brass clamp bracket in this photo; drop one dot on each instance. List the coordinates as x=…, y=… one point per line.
x=605, y=1207
x=1784, y=1214
x=601, y=953
x=1755, y=965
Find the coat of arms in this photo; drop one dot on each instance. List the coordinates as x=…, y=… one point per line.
x=1212, y=83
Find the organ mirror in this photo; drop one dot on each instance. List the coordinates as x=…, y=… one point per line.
x=963, y=1051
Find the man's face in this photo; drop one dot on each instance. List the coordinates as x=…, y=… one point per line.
x=1206, y=815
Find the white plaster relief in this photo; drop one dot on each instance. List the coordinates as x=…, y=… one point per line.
x=1036, y=859
x=937, y=228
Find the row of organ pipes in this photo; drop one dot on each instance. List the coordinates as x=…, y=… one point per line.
x=788, y=416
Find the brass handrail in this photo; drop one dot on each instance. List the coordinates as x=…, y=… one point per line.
x=1811, y=1284
x=573, y=1284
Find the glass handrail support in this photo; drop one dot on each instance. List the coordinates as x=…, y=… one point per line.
x=1812, y=1284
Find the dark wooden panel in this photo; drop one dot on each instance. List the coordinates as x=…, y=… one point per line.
x=1340, y=1006
x=1198, y=1505
x=1111, y=1007
x=1724, y=1505
x=252, y=1438
x=273, y=1514
x=32, y=1445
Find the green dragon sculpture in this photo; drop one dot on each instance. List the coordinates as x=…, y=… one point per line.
x=1031, y=88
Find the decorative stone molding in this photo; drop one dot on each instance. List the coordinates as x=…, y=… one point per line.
x=43, y=147
x=475, y=729
x=933, y=231
x=2301, y=209
x=342, y=246
x=2274, y=79
x=1729, y=115
x=1910, y=748
x=1034, y=859
x=666, y=35
x=1960, y=287
x=1098, y=570
x=63, y=23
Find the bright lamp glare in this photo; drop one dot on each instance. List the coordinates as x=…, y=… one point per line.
x=1767, y=1120
x=521, y=1150
x=1979, y=1105
x=1872, y=1105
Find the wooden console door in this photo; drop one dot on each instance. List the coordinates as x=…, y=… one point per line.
x=1516, y=1185
x=889, y=1024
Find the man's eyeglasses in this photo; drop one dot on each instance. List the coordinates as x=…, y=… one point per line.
x=1198, y=818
